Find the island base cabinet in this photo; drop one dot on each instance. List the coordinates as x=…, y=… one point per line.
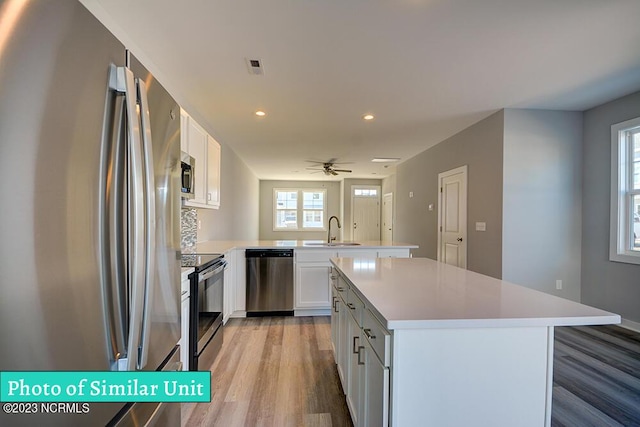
x=502, y=376
x=375, y=390
x=356, y=373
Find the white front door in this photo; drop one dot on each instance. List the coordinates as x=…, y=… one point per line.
x=365, y=213
x=452, y=217
x=387, y=217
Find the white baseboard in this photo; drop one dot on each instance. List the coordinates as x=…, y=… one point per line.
x=628, y=324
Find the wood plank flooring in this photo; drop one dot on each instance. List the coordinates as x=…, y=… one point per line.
x=273, y=371
x=596, y=377
x=279, y=371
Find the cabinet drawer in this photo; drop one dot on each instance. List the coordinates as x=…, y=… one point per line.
x=378, y=337
x=357, y=253
x=355, y=306
x=314, y=255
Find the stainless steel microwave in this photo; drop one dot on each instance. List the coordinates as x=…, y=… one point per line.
x=188, y=175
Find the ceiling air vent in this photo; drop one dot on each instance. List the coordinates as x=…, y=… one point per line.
x=255, y=66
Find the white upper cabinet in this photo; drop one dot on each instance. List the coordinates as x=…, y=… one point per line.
x=206, y=152
x=213, y=173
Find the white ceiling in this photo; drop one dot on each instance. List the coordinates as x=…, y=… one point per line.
x=426, y=68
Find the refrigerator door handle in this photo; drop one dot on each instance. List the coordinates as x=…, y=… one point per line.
x=113, y=269
x=126, y=84
x=150, y=222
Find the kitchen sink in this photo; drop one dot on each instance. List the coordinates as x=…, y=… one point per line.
x=332, y=244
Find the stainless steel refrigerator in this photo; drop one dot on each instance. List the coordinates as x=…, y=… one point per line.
x=89, y=208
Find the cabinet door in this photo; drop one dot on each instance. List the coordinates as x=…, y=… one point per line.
x=184, y=131
x=184, y=339
x=335, y=322
x=356, y=372
x=343, y=337
x=213, y=173
x=375, y=390
x=313, y=282
x=229, y=286
x=241, y=280
x=198, y=150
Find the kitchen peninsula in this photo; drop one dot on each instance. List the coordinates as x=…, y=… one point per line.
x=312, y=282
x=418, y=342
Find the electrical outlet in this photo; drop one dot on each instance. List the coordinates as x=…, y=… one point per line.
x=558, y=284
x=410, y=194
x=199, y=225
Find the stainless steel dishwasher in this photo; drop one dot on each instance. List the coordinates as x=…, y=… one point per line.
x=269, y=282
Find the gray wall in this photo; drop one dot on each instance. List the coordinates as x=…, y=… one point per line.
x=542, y=200
x=266, y=209
x=480, y=147
x=237, y=218
x=608, y=285
x=347, y=224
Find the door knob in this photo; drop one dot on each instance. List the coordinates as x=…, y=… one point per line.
x=459, y=239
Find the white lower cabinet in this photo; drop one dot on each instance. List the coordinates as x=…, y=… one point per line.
x=376, y=389
x=229, y=296
x=356, y=373
x=361, y=347
x=313, y=284
x=184, y=330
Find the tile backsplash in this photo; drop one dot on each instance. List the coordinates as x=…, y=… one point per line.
x=188, y=229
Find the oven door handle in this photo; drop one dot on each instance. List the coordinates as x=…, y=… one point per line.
x=208, y=274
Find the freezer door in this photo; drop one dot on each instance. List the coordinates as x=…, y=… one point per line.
x=151, y=414
x=54, y=76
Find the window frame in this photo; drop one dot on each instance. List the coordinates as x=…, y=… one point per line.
x=622, y=193
x=300, y=210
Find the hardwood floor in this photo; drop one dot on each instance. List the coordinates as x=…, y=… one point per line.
x=279, y=371
x=273, y=371
x=596, y=377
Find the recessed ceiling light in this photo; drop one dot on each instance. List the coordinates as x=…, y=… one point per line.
x=368, y=117
x=385, y=159
x=260, y=113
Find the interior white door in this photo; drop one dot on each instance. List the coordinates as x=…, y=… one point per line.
x=452, y=217
x=366, y=218
x=387, y=217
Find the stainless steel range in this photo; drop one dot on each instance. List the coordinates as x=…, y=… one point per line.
x=207, y=297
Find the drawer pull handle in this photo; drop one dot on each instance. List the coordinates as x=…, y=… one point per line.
x=340, y=289
x=351, y=306
x=355, y=346
x=367, y=332
x=335, y=304
x=359, y=353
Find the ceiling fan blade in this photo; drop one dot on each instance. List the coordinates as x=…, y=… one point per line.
x=341, y=170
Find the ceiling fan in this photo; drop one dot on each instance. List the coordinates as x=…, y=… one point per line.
x=328, y=167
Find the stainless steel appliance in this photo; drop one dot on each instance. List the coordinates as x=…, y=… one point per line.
x=206, y=308
x=90, y=248
x=269, y=282
x=188, y=165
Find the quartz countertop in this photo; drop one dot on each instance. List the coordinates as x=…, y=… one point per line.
x=420, y=293
x=220, y=247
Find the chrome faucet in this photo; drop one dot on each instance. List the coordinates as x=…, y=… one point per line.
x=329, y=238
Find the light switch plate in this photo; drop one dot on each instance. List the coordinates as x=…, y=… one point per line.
x=481, y=226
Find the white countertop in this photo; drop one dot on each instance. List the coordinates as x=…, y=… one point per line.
x=420, y=293
x=220, y=247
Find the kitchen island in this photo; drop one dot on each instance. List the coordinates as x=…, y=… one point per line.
x=418, y=342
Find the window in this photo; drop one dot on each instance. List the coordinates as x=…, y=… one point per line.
x=299, y=209
x=366, y=192
x=625, y=192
